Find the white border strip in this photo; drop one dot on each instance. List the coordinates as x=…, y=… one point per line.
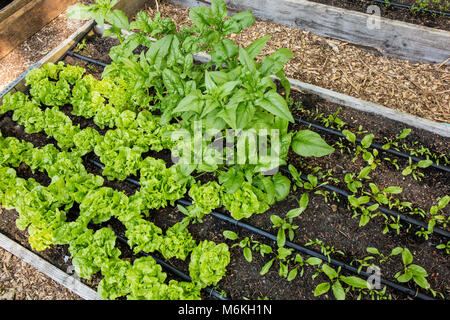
x=68, y=281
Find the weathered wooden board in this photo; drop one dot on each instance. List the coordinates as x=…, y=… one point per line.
x=12, y=7
x=27, y=20
x=342, y=99
x=392, y=38
x=131, y=7
x=68, y=281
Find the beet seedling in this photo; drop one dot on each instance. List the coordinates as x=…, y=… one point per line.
x=248, y=244
x=324, y=249
x=414, y=169
x=444, y=246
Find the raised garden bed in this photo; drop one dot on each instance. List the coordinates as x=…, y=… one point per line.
x=327, y=217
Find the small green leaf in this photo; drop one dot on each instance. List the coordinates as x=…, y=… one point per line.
x=321, y=289
x=313, y=261
x=407, y=171
x=248, y=254
x=424, y=163
x=418, y=270
x=404, y=133
x=308, y=143
x=373, y=250
x=349, y=135
x=304, y=200
x=338, y=291
x=407, y=257
x=355, y=282
x=219, y=8
x=201, y=16
x=257, y=46
x=294, y=213
x=404, y=277
x=396, y=251
x=393, y=190
x=238, y=22
x=421, y=281
x=292, y=274
x=275, y=104
x=266, y=267
x=276, y=220
x=281, y=238
x=364, y=172
x=367, y=140
x=230, y=235
x=330, y=272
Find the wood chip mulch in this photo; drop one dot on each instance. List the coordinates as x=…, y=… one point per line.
x=417, y=88
x=20, y=281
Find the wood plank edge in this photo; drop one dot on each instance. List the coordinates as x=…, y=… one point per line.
x=441, y=129
x=68, y=281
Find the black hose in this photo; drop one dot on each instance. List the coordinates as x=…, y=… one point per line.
x=176, y=272
x=405, y=6
x=338, y=191
x=373, y=145
x=309, y=252
x=79, y=56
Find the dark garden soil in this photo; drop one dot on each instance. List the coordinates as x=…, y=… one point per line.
x=402, y=14
x=329, y=221
x=4, y=3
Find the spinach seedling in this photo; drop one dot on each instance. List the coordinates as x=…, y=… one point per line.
x=283, y=225
x=334, y=282
x=412, y=271
x=248, y=244
x=394, y=143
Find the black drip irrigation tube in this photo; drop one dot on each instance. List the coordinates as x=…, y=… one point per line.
x=339, y=191
x=405, y=6
x=373, y=145
x=176, y=272
x=79, y=56
x=289, y=244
